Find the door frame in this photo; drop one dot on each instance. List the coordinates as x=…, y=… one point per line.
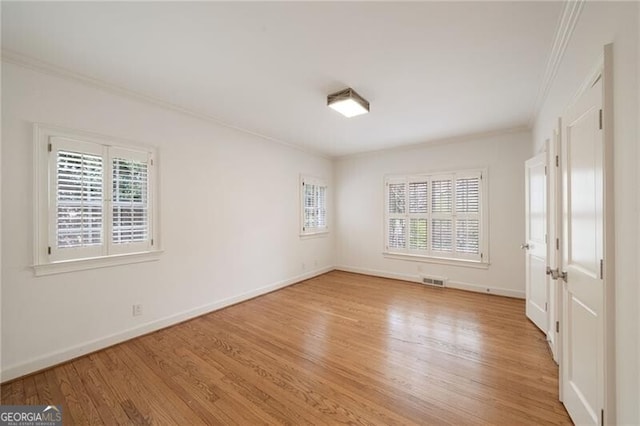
x=604, y=71
x=609, y=238
x=554, y=250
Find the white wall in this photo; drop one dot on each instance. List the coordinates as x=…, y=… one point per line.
x=601, y=23
x=359, y=182
x=229, y=217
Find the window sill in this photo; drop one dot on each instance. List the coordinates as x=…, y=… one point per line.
x=438, y=260
x=315, y=234
x=95, y=263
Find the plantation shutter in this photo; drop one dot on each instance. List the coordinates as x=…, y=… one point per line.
x=435, y=215
x=78, y=199
x=99, y=199
x=397, y=222
x=130, y=226
x=418, y=215
x=468, y=215
x=76, y=175
x=314, y=206
x=130, y=222
x=441, y=214
x=322, y=206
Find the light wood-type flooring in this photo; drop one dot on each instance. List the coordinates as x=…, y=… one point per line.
x=338, y=348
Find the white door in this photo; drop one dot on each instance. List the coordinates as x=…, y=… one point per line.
x=535, y=245
x=582, y=365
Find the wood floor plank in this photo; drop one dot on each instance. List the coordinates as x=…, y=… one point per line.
x=338, y=348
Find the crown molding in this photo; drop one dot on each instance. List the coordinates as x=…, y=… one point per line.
x=566, y=25
x=13, y=57
x=438, y=142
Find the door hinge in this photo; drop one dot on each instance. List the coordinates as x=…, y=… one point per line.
x=557, y=161
x=602, y=417
x=546, y=306
x=557, y=243
x=49, y=250
x=601, y=269
x=600, y=119
x=557, y=326
x=152, y=241
x=545, y=170
x=49, y=147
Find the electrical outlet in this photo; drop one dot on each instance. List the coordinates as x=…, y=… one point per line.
x=137, y=310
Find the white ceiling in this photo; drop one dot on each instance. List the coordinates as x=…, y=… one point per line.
x=431, y=70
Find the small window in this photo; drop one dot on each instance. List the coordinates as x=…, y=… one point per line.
x=96, y=197
x=313, y=195
x=437, y=216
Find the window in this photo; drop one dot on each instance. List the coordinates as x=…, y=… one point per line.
x=437, y=216
x=95, y=199
x=313, y=206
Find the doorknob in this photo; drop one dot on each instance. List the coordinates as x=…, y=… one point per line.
x=525, y=246
x=556, y=274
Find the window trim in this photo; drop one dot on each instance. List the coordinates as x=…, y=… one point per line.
x=311, y=232
x=43, y=211
x=439, y=257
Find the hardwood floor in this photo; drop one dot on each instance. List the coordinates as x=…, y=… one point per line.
x=339, y=348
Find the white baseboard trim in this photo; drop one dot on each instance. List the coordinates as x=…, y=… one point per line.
x=450, y=284
x=516, y=294
x=48, y=360
x=377, y=273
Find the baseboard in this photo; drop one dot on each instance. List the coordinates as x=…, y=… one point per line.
x=377, y=273
x=46, y=361
x=516, y=294
x=450, y=284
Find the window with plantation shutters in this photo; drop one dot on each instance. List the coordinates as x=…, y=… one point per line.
x=436, y=216
x=314, y=206
x=99, y=199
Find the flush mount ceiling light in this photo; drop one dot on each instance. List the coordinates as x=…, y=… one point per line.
x=348, y=103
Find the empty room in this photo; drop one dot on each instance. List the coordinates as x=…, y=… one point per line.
x=375, y=213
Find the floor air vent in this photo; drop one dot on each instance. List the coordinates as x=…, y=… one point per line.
x=434, y=281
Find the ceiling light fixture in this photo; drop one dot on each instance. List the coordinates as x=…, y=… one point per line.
x=348, y=103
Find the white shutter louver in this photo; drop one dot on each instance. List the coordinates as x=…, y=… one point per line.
x=468, y=236
x=418, y=210
x=418, y=197
x=441, y=235
x=397, y=232
x=130, y=223
x=468, y=195
x=79, y=181
x=322, y=206
x=441, y=196
x=468, y=215
x=418, y=234
x=397, y=195
x=441, y=209
x=309, y=206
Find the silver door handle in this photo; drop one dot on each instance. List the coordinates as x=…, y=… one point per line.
x=525, y=246
x=556, y=274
